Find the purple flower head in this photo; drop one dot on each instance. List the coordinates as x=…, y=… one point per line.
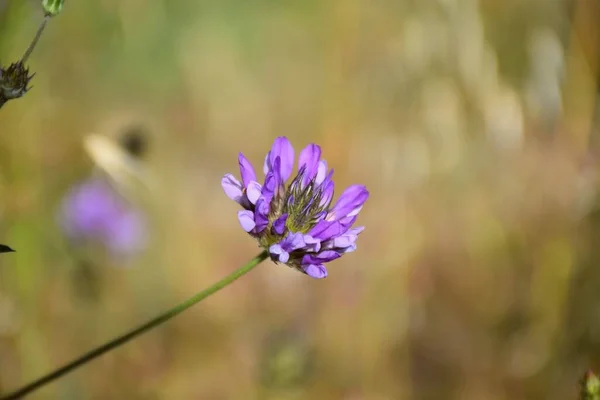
x=297, y=223
x=94, y=211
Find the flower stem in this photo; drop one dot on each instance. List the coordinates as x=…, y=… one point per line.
x=38, y=34
x=136, y=332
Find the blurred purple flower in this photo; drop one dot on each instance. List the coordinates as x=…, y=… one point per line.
x=296, y=223
x=95, y=211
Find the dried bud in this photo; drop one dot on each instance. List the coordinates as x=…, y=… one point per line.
x=5, y=249
x=14, y=82
x=53, y=7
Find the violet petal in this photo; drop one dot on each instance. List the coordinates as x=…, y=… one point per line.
x=283, y=149
x=327, y=193
x=278, y=179
x=317, y=271
x=253, y=191
x=321, y=172
x=261, y=215
x=280, y=254
x=270, y=183
x=348, y=249
x=246, y=219
x=246, y=170
x=309, y=159
x=292, y=241
x=325, y=230
x=343, y=241
x=232, y=187
x=311, y=243
x=322, y=257
x=279, y=224
x=349, y=203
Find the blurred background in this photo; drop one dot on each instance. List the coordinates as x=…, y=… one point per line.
x=472, y=123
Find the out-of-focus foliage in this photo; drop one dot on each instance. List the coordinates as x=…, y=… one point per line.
x=471, y=123
x=590, y=387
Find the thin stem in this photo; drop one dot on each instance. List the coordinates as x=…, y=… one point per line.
x=38, y=34
x=138, y=331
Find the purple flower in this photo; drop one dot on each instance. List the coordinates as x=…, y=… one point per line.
x=95, y=211
x=296, y=223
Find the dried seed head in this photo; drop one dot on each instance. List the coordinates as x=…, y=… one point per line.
x=14, y=81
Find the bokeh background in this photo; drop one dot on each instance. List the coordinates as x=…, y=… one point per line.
x=471, y=122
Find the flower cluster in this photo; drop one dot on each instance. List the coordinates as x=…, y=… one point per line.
x=296, y=223
x=95, y=211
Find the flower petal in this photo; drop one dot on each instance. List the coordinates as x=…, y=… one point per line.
x=293, y=241
x=356, y=231
x=261, y=215
x=327, y=194
x=348, y=249
x=268, y=189
x=246, y=170
x=279, y=224
x=309, y=159
x=325, y=230
x=321, y=172
x=246, y=219
x=311, y=243
x=280, y=254
x=253, y=191
x=317, y=271
x=232, y=187
x=322, y=257
x=346, y=223
x=343, y=241
x=283, y=149
x=349, y=203
x=278, y=179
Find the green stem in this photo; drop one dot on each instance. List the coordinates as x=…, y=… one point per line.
x=138, y=331
x=37, y=37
